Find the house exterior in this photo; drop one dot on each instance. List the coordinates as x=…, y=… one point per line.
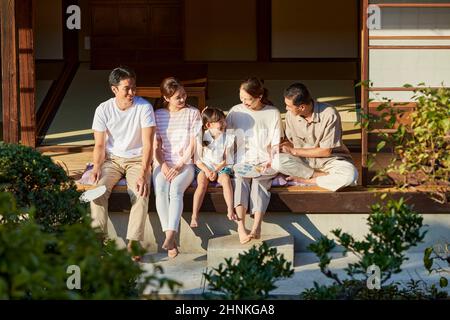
x=334, y=44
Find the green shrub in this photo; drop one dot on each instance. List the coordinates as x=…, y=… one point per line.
x=394, y=228
x=35, y=180
x=421, y=146
x=252, y=276
x=33, y=263
x=431, y=258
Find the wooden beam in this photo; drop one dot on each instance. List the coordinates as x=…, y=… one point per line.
x=57, y=91
x=402, y=88
x=364, y=88
x=54, y=98
x=406, y=47
x=70, y=37
x=27, y=82
x=350, y=200
x=10, y=103
x=264, y=30
x=413, y=5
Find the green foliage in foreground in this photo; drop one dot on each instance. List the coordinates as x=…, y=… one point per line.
x=34, y=263
x=393, y=229
x=251, y=276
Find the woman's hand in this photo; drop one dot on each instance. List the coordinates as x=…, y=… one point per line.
x=286, y=147
x=169, y=172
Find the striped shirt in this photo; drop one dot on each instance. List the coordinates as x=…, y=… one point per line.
x=175, y=130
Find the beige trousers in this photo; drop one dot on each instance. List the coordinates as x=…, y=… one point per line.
x=113, y=169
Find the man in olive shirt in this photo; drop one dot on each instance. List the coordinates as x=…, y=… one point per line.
x=314, y=153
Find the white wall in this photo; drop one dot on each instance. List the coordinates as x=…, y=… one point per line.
x=395, y=67
x=220, y=30
x=318, y=29
x=48, y=29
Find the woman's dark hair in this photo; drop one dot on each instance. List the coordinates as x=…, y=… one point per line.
x=255, y=87
x=211, y=115
x=298, y=93
x=168, y=88
x=119, y=74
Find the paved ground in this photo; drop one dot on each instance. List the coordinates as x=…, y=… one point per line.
x=188, y=269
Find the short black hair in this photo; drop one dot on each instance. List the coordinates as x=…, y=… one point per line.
x=298, y=93
x=119, y=74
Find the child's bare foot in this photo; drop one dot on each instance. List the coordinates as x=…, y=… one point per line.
x=194, y=222
x=232, y=215
x=165, y=245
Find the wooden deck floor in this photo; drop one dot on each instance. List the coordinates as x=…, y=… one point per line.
x=284, y=199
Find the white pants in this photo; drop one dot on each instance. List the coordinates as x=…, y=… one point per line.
x=341, y=173
x=169, y=196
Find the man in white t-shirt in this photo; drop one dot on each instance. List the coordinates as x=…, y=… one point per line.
x=124, y=128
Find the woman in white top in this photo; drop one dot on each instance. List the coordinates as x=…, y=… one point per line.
x=257, y=127
x=214, y=160
x=177, y=128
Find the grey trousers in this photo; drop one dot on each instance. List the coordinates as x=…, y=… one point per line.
x=252, y=193
x=341, y=173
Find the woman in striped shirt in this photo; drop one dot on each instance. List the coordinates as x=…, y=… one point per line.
x=177, y=124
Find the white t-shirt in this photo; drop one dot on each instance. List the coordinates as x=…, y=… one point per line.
x=255, y=131
x=214, y=152
x=123, y=128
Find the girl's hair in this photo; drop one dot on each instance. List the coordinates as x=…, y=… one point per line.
x=255, y=87
x=168, y=88
x=210, y=115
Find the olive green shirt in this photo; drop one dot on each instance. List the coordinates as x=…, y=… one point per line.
x=325, y=131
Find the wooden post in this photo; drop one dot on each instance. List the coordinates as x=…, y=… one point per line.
x=9, y=72
x=27, y=81
x=364, y=88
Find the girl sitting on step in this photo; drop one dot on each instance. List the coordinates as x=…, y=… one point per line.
x=214, y=160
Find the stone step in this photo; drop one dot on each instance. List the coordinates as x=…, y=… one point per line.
x=229, y=247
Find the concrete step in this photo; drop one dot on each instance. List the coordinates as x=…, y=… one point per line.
x=229, y=247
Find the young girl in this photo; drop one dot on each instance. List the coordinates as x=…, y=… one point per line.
x=214, y=159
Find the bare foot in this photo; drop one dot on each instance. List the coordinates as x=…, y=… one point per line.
x=243, y=236
x=255, y=234
x=130, y=250
x=165, y=245
x=194, y=222
x=232, y=215
x=172, y=253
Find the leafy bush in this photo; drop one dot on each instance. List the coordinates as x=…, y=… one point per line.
x=421, y=144
x=432, y=257
x=35, y=180
x=358, y=290
x=252, y=276
x=394, y=228
x=34, y=263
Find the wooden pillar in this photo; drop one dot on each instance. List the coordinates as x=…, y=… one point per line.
x=364, y=88
x=27, y=80
x=264, y=30
x=10, y=103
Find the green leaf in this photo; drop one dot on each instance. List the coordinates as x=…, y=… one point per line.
x=380, y=145
x=443, y=282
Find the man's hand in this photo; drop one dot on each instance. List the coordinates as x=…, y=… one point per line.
x=95, y=175
x=142, y=185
